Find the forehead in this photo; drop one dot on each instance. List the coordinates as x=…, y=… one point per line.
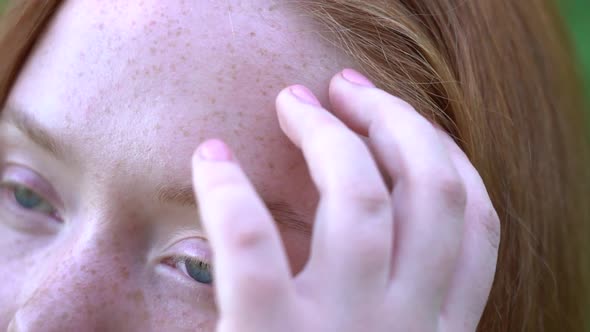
x=179, y=71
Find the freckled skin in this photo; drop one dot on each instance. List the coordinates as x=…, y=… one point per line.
x=132, y=87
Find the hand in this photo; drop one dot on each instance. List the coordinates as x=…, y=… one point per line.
x=419, y=258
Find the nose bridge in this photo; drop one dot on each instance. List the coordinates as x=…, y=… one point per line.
x=75, y=289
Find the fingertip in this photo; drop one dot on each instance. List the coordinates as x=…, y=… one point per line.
x=212, y=150
x=349, y=78
x=356, y=78
x=304, y=95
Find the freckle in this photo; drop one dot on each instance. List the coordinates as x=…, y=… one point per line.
x=153, y=50
x=259, y=138
x=93, y=271
x=220, y=79
x=257, y=79
x=213, y=101
x=136, y=296
x=252, y=34
x=271, y=165
x=240, y=113
x=101, y=26
x=125, y=272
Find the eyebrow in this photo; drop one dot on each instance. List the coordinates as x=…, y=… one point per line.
x=33, y=129
x=183, y=195
x=282, y=212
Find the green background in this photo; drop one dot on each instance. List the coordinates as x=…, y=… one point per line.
x=577, y=13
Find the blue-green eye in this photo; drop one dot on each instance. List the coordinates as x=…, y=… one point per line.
x=30, y=200
x=198, y=270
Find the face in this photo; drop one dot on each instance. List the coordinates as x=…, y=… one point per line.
x=98, y=226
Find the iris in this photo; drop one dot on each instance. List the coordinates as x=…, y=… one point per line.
x=27, y=198
x=199, y=271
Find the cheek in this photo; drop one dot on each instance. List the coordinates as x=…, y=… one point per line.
x=14, y=264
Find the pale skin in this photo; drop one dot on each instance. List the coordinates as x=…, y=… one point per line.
x=397, y=230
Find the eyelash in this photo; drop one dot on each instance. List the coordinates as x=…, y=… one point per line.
x=8, y=192
x=177, y=260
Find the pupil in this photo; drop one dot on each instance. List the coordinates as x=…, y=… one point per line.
x=27, y=198
x=199, y=271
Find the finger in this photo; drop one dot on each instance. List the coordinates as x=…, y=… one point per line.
x=352, y=234
x=251, y=273
x=429, y=196
x=476, y=267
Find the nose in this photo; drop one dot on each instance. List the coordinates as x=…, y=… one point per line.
x=76, y=291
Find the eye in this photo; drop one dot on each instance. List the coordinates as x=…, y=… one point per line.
x=30, y=200
x=196, y=269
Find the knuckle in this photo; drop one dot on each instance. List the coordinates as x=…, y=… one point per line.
x=243, y=233
x=444, y=184
x=247, y=236
x=370, y=200
x=373, y=249
x=260, y=284
x=242, y=226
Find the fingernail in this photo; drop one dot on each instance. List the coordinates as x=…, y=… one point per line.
x=355, y=77
x=304, y=95
x=214, y=150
